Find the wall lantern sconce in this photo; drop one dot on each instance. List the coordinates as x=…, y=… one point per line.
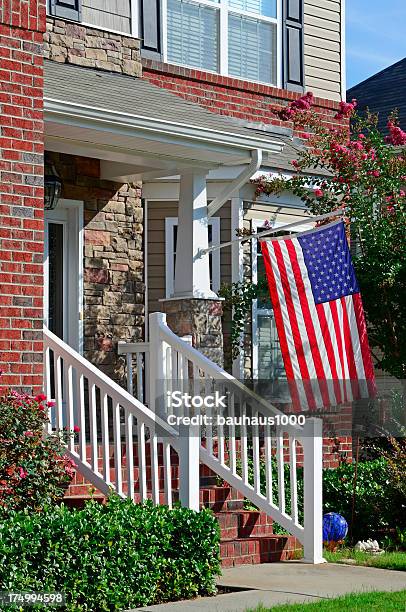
x=52, y=185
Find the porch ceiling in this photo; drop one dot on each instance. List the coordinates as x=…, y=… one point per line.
x=141, y=129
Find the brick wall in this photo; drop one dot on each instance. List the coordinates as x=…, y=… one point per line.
x=21, y=193
x=72, y=43
x=113, y=285
x=226, y=95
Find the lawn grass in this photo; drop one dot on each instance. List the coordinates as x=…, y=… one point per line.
x=355, y=602
x=387, y=560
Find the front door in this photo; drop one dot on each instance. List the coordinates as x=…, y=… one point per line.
x=63, y=298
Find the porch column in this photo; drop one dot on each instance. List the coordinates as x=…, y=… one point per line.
x=192, y=273
x=194, y=309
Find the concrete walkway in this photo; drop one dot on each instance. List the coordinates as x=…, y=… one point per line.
x=288, y=582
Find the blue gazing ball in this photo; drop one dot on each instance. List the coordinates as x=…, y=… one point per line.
x=335, y=527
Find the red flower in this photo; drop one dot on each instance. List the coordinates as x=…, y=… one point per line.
x=28, y=434
x=76, y=429
x=51, y=404
x=318, y=193
x=40, y=397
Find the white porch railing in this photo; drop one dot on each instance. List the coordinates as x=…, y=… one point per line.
x=119, y=438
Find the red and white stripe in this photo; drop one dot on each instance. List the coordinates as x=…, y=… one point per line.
x=324, y=346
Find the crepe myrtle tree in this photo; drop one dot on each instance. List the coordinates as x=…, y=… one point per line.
x=354, y=166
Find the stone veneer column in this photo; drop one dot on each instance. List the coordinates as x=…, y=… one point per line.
x=200, y=318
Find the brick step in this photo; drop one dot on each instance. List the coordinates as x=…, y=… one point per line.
x=216, y=498
x=244, y=524
x=255, y=550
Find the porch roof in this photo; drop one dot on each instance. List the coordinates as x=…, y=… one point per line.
x=129, y=120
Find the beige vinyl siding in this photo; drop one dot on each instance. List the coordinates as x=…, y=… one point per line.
x=323, y=48
x=156, y=215
x=108, y=14
x=156, y=268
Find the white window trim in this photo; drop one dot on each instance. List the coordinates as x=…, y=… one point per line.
x=170, y=223
x=224, y=11
x=73, y=273
x=134, y=22
x=256, y=225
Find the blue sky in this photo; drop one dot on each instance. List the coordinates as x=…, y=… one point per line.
x=375, y=36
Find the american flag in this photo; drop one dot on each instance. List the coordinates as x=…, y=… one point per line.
x=319, y=316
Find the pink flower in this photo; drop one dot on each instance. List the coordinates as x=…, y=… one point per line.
x=397, y=136
x=318, y=193
x=346, y=109
x=402, y=193
x=76, y=429
x=28, y=434
x=40, y=397
x=361, y=136
x=295, y=163
x=22, y=473
x=376, y=173
x=51, y=404
x=306, y=135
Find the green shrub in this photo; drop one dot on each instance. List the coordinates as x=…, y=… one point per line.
x=379, y=501
x=111, y=557
x=379, y=504
x=34, y=471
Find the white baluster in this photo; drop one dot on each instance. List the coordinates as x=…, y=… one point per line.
x=293, y=479
x=130, y=373
x=210, y=416
x=153, y=442
x=142, y=468
x=232, y=445
x=281, y=473
x=93, y=428
x=47, y=366
x=58, y=391
x=129, y=443
x=244, y=449
x=105, y=438
x=81, y=418
x=117, y=448
x=69, y=408
x=268, y=463
x=167, y=473
x=255, y=454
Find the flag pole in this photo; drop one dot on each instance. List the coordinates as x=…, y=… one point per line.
x=268, y=232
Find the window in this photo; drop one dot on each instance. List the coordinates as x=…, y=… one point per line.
x=238, y=38
x=171, y=227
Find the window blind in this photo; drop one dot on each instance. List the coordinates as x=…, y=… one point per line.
x=193, y=34
x=251, y=48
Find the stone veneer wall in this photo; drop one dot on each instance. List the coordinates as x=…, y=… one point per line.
x=72, y=43
x=200, y=319
x=113, y=260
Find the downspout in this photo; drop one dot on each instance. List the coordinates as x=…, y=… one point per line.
x=239, y=181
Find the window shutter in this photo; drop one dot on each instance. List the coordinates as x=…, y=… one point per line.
x=151, y=28
x=67, y=9
x=293, y=52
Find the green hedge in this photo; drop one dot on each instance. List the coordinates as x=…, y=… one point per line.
x=379, y=504
x=111, y=557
